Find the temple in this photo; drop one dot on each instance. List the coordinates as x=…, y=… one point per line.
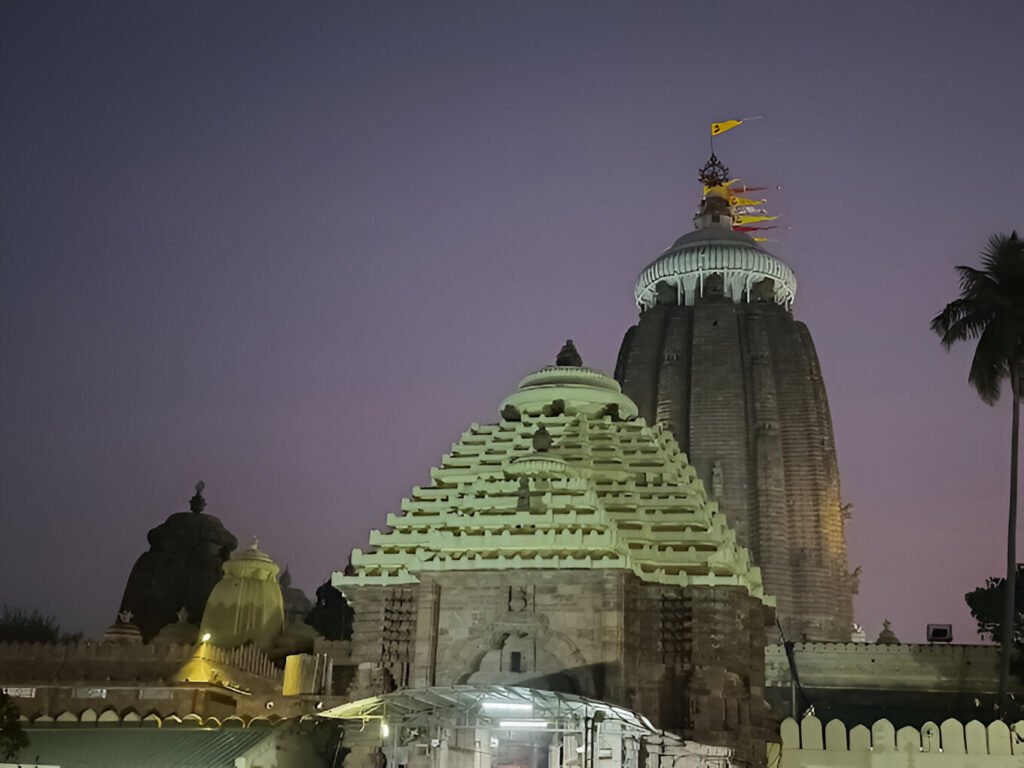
x=718, y=360
x=569, y=547
x=179, y=570
x=592, y=580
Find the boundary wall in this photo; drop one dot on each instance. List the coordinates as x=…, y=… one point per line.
x=950, y=744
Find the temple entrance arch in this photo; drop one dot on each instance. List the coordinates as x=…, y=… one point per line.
x=534, y=656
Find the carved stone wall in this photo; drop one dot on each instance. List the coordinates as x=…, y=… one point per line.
x=691, y=659
x=699, y=670
x=739, y=386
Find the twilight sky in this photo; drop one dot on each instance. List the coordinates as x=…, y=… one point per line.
x=294, y=249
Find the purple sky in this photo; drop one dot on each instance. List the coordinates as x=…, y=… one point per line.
x=294, y=250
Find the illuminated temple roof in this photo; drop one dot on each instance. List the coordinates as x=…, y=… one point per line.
x=715, y=247
x=568, y=479
x=715, y=250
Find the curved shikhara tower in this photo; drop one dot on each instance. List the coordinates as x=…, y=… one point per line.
x=718, y=359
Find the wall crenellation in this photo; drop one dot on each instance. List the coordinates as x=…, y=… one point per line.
x=950, y=737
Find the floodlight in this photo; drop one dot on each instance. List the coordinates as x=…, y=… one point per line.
x=523, y=724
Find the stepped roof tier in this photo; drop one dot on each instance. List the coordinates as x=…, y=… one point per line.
x=568, y=479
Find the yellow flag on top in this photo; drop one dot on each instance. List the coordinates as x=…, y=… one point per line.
x=725, y=125
x=752, y=219
x=745, y=201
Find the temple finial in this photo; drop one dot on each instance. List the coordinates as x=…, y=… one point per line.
x=568, y=356
x=197, y=503
x=714, y=173
x=714, y=204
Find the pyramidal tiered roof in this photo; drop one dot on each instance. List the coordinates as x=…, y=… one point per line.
x=568, y=479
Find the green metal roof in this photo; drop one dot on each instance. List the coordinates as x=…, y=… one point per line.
x=71, y=747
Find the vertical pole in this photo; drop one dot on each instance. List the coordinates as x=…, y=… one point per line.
x=1009, y=609
x=586, y=742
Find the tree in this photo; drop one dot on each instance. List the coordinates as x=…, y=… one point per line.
x=332, y=616
x=986, y=604
x=17, y=626
x=990, y=308
x=12, y=735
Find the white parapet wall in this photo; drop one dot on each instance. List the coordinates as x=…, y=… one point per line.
x=951, y=744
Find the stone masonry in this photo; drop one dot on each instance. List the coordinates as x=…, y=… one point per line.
x=717, y=359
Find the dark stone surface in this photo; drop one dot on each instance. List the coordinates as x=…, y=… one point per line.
x=568, y=356
x=184, y=562
x=332, y=616
x=858, y=706
x=739, y=386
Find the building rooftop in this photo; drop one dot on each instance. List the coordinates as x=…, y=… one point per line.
x=568, y=479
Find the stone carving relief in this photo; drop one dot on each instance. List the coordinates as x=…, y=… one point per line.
x=546, y=658
x=397, y=636
x=523, y=495
x=554, y=408
x=717, y=480
x=511, y=413
x=518, y=599
x=672, y=635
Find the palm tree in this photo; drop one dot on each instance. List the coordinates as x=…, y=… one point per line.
x=990, y=308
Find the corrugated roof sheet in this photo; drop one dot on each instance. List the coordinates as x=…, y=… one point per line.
x=141, y=747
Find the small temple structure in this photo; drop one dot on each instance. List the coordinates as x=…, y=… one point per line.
x=246, y=605
x=178, y=571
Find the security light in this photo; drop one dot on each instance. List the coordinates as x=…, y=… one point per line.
x=522, y=724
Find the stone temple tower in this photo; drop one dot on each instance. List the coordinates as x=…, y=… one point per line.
x=718, y=359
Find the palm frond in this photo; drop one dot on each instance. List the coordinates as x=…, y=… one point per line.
x=991, y=363
x=1003, y=259
x=959, y=321
x=990, y=308
x=976, y=282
